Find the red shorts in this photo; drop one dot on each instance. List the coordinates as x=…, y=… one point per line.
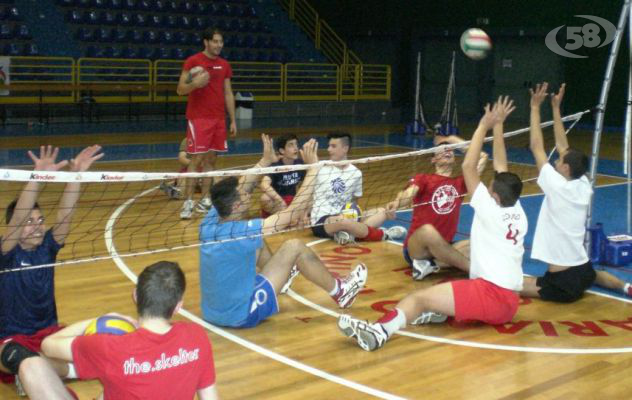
x=206, y=134
x=480, y=300
x=32, y=342
x=287, y=199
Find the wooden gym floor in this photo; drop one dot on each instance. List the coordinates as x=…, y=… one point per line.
x=549, y=351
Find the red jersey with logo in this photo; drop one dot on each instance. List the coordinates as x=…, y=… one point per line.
x=208, y=101
x=147, y=365
x=440, y=198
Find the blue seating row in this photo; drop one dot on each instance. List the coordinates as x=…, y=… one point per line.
x=17, y=31
x=216, y=8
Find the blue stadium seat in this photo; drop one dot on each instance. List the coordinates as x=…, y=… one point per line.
x=139, y=19
x=100, y=3
x=84, y=34
x=147, y=52
x=84, y=3
x=109, y=18
x=200, y=23
x=107, y=52
x=196, y=39
x=131, y=52
x=171, y=6
x=186, y=7
x=135, y=36
x=200, y=8
x=216, y=10
x=75, y=16
x=6, y=32
x=163, y=53
x=116, y=4
x=117, y=52
x=159, y=6
x=125, y=19
x=66, y=3
x=181, y=37
x=11, y=49
x=150, y=36
x=156, y=21
x=146, y=5
x=103, y=35
x=178, y=54
x=172, y=21
x=130, y=5
x=249, y=11
x=166, y=37
x=30, y=49
x=93, y=18
x=185, y=22
x=119, y=35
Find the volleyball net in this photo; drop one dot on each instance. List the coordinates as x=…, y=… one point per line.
x=128, y=211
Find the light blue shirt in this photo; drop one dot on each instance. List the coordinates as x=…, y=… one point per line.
x=228, y=258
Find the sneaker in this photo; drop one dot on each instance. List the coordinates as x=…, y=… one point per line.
x=293, y=274
x=423, y=268
x=343, y=238
x=187, y=209
x=369, y=336
x=18, y=387
x=429, y=317
x=173, y=192
x=394, y=232
x=351, y=286
x=627, y=289
x=204, y=205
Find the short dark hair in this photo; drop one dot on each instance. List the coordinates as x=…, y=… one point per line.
x=11, y=210
x=346, y=138
x=159, y=289
x=210, y=32
x=224, y=194
x=576, y=161
x=281, y=141
x=508, y=187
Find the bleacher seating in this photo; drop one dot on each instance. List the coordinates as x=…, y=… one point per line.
x=15, y=36
x=167, y=28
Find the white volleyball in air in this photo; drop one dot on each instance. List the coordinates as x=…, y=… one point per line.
x=475, y=43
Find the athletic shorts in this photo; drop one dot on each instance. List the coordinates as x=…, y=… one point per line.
x=407, y=256
x=319, y=229
x=287, y=199
x=568, y=285
x=206, y=134
x=481, y=300
x=263, y=303
x=32, y=342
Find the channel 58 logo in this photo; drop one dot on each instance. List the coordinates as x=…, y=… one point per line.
x=592, y=34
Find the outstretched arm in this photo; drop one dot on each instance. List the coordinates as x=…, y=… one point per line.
x=247, y=183
x=28, y=197
x=561, y=141
x=302, y=201
x=503, y=108
x=404, y=198
x=470, y=173
x=536, y=141
x=59, y=344
x=69, y=199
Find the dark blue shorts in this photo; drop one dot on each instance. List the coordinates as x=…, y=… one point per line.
x=263, y=303
x=319, y=229
x=407, y=256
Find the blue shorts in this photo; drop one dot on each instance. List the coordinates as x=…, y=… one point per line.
x=319, y=229
x=407, y=256
x=263, y=303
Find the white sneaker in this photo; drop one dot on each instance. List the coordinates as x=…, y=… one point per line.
x=343, y=238
x=204, y=205
x=423, y=268
x=293, y=274
x=187, y=209
x=429, y=317
x=394, y=232
x=18, y=387
x=368, y=336
x=351, y=286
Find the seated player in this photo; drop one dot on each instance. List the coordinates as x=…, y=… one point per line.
x=174, y=190
x=436, y=200
x=28, y=312
x=498, y=231
x=116, y=360
x=561, y=227
x=233, y=293
x=279, y=189
x=336, y=186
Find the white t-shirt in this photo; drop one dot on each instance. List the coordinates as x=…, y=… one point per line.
x=497, y=241
x=559, y=235
x=335, y=187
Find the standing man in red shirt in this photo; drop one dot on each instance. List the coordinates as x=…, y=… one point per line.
x=436, y=200
x=205, y=78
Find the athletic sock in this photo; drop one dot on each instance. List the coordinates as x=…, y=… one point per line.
x=374, y=235
x=336, y=289
x=627, y=289
x=393, y=321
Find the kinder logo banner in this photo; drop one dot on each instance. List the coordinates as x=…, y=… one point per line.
x=5, y=63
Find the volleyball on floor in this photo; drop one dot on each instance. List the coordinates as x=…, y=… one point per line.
x=109, y=324
x=351, y=211
x=475, y=43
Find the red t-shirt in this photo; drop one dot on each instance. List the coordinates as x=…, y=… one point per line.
x=208, y=101
x=146, y=365
x=441, y=197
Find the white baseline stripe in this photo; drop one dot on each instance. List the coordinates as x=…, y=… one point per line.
x=109, y=229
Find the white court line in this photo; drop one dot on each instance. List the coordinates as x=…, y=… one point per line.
x=109, y=243
x=526, y=349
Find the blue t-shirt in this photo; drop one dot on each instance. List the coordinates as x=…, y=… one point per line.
x=228, y=269
x=27, y=298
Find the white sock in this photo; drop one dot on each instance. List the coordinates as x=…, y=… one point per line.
x=626, y=288
x=395, y=323
x=336, y=288
x=72, y=373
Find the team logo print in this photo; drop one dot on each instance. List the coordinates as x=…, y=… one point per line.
x=512, y=235
x=338, y=186
x=444, y=199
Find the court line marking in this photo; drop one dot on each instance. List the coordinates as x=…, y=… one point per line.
x=109, y=243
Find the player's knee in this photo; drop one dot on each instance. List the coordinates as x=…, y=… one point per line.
x=427, y=232
x=296, y=245
x=13, y=354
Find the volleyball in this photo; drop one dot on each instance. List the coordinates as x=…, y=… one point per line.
x=193, y=72
x=109, y=324
x=351, y=211
x=475, y=43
